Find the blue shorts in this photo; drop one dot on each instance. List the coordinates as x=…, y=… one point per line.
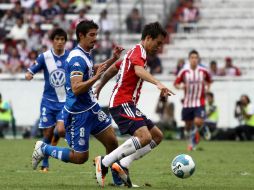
x=129, y=118
x=188, y=114
x=50, y=113
x=79, y=127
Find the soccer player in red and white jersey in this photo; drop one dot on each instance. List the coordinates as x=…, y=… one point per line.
x=195, y=80
x=123, y=104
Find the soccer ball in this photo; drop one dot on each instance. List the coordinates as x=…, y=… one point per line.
x=183, y=166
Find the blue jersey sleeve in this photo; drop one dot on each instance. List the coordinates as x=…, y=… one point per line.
x=38, y=65
x=77, y=67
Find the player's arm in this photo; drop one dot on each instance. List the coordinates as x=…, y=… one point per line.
x=109, y=74
x=116, y=55
x=143, y=74
x=79, y=86
x=36, y=67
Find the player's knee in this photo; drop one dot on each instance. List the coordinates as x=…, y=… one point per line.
x=145, y=139
x=158, y=137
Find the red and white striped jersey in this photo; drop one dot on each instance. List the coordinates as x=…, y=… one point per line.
x=128, y=86
x=194, y=81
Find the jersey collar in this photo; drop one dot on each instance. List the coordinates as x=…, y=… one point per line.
x=52, y=50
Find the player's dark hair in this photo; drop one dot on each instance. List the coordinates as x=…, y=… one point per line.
x=154, y=30
x=84, y=26
x=58, y=32
x=193, y=52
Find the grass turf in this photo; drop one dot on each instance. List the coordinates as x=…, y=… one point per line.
x=220, y=166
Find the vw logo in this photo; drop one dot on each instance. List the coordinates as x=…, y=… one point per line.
x=57, y=78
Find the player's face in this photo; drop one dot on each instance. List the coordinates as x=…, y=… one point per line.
x=59, y=42
x=194, y=59
x=154, y=45
x=90, y=39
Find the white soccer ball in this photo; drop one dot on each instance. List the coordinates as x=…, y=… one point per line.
x=183, y=166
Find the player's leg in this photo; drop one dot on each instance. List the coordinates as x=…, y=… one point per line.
x=108, y=138
x=59, y=131
x=77, y=137
x=157, y=137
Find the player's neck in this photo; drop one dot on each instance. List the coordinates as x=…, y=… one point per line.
x=86, y=49
x=193, y=67
x=58, y=52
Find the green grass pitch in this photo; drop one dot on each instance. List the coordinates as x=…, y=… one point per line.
x=220, y=166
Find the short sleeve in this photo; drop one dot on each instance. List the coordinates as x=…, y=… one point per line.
x=138, y=57
x=250, y=109
x=77, y=67
x=118, y=64
x=179, y=78
x=38, y=65
x=208, y=77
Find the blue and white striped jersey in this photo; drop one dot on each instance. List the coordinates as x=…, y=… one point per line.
x=54, y=74
x=79, y=63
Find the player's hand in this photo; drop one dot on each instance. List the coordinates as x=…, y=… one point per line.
x=117, y=52
x=97, y=90
x=164, y=90
x=100, y=70
x=29, y=76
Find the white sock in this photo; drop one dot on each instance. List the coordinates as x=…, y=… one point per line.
x=128, y=147
x=125, y=162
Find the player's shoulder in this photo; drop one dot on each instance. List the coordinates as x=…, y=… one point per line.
x=203, y=68
x=138, y=51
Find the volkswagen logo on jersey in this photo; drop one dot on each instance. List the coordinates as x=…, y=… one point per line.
x=57, y=78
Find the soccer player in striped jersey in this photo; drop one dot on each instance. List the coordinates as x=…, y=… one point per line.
x=123, y=104
x=52, y=63
x=83, y=115
x=195, y=80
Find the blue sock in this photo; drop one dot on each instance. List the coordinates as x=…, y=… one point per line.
x=45, y=161
x=59, y=153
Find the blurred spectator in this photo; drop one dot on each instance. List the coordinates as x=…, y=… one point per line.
x=189, y=15
x=81, y=17
x=230, y=69
x=5, y=116
x=212, y=116
x=214, y=70
x=2, y=66
x=134, y=21
x=51, y=11
x=62, y=22
x=64, y=5
x=8, y=21
x=166, y=111
x=103, y=48
x=36, y=16
x=246, y=131
x=71, y=42
x=23, y=50
x=30, y=60
x=154, y=63
x=105, y=24
x=32, y=40
x=14, y=64
x=19, y=30
x=18, y=11
x=179, y=66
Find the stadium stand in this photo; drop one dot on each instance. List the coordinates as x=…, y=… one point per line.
x=224, y=29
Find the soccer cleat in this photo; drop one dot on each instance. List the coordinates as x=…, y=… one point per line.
x=116, y=178
x=100, y=170
x=37, y=155
x=189, y=147
x=123, y=173
x=44, y=169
